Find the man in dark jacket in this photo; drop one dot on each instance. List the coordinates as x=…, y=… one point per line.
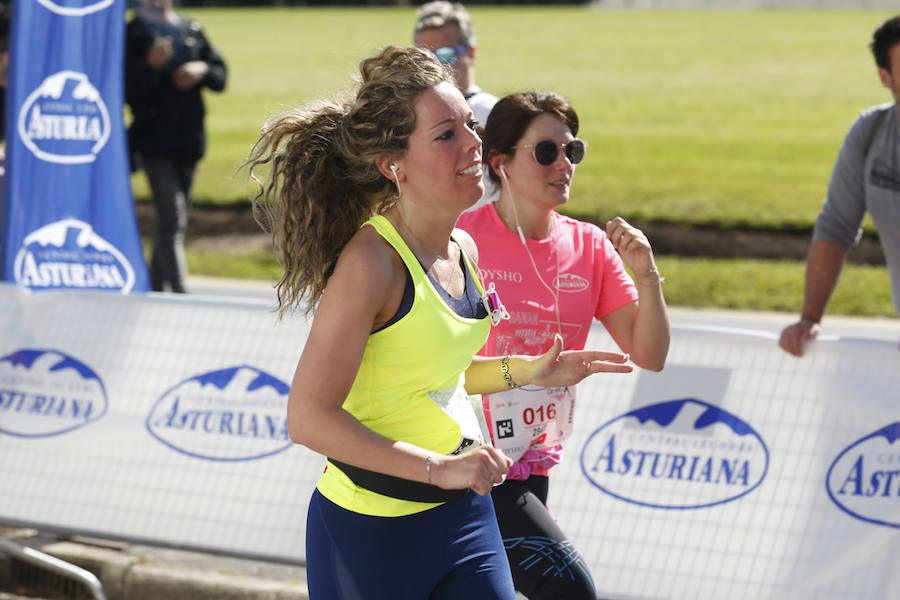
x=167, y=62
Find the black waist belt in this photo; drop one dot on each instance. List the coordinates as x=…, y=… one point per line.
x=397, y=487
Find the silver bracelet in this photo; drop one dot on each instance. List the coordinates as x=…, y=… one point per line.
x=659, y=278
x=428, y=467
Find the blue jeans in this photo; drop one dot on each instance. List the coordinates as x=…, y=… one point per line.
x=449, y=552
x=171, y=185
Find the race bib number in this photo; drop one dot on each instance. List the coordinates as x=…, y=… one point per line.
x=529, y=419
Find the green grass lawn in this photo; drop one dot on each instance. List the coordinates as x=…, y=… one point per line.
x=738, y=284
x=743, y=284
x=729, y=118
x=717, y=117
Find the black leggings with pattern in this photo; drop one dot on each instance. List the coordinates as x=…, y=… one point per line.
x=545, y=565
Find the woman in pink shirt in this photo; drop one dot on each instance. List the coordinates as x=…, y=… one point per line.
x=555, y=275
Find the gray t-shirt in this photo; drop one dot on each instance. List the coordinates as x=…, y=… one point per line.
x=866, y=177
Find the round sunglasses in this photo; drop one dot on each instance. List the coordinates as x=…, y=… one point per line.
x=546, y=151
x=449, y=54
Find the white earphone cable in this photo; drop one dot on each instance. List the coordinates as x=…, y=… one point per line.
x=553, y=293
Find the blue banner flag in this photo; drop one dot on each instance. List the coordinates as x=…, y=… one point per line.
x=68, y=217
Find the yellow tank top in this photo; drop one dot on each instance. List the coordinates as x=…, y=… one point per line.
x=410, y=384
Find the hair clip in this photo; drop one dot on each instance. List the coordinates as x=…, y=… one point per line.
x=495, y=309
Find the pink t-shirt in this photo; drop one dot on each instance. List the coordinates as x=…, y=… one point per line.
x=591, y=282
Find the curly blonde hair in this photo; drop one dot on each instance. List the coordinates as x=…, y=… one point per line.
x=323, y=181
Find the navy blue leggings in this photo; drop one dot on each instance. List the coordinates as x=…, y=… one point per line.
x=449, y=552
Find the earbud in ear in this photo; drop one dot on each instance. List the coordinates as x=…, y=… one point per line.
x=397, y=181
x=503, y=172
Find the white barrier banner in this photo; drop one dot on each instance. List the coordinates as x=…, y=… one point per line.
x=737, y=472
x=152, y=418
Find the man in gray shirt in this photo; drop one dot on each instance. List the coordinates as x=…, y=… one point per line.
x=866, y=177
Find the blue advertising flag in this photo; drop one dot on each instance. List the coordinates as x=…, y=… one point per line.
x=68, y=217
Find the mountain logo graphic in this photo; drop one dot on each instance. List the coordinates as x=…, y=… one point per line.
x=75, y=8
x=232, y=414
x=65, y=120
x=46, y=392
x=678, y=454
x=70, y=254
x=864, y=479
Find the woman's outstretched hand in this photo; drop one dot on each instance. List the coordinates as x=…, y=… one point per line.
x=558, y=367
